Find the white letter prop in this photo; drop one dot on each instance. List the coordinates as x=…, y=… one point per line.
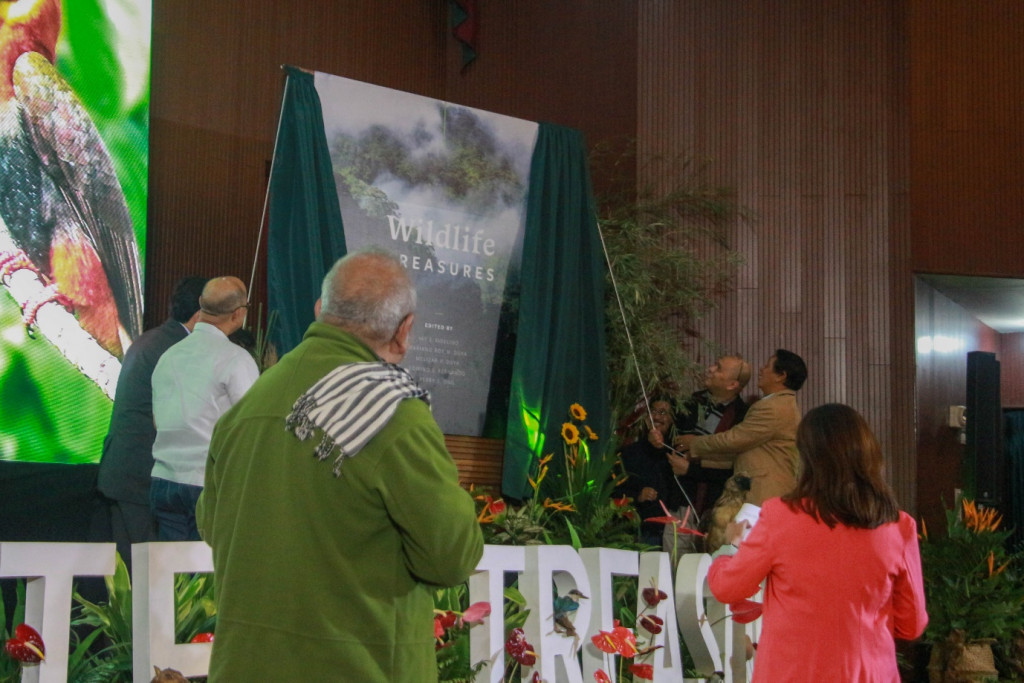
x=559, y=565
x=49, y=570
x=487, y=644
x=602, y=564
x=153, y=568
x=691, y=582
x=655, y=570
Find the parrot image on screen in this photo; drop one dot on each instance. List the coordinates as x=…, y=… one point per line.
x=60, y=199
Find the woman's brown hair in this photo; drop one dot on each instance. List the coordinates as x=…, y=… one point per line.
x=841, y=479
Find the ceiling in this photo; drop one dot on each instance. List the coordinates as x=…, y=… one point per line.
x=997, y=302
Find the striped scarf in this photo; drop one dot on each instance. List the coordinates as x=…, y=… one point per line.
x=350, y=405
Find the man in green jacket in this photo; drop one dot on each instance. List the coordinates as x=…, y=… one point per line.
x=331, y=503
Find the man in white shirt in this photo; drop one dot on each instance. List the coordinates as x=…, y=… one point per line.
x=194, y=383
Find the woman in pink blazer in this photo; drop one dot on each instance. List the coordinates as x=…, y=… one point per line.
x=839, y=561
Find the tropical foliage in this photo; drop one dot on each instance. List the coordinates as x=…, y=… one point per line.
x=972, y=582
x=669, y=261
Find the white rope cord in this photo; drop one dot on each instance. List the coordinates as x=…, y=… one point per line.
x=266, y=194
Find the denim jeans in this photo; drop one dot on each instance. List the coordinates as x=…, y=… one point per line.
x=174, y=508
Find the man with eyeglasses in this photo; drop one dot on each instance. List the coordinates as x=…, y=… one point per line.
x=194, y=383
x=712, y=410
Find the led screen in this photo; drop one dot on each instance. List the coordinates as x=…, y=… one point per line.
x=74, y=157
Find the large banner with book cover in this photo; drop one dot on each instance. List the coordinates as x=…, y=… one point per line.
x=444, y=188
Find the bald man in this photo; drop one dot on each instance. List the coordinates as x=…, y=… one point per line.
x=194, y=383
x=331, y=503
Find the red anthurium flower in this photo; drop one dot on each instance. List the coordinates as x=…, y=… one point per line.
x=26, y=646
x=476, y=613
x=652, y=596
x=651, y=623
x=205, y=637
x=520, y=650
x=535, y=678
x=601, y=677
x=448, y=619
x=497, y=507
x=619, y=503
x=620, y=640
x=644, y=671
x=745, y=611
x=438, y=627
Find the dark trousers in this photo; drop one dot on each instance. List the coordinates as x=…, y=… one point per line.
x=174, y=508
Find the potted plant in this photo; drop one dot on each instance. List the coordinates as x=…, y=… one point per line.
x=974, y=592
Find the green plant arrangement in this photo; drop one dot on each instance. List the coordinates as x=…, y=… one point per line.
x=668, y=262
x=572, y=501
x=974, y=590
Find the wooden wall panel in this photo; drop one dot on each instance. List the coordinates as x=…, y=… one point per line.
x=966, y=134
x=1011, y=366
x=800, y=106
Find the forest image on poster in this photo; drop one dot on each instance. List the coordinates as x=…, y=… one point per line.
x=444, y=188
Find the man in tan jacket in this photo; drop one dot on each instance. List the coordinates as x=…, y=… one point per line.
x=763, y=446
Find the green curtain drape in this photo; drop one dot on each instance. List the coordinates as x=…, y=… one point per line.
x=305, y=234
x=560, y=349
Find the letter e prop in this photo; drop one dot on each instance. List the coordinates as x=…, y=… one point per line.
x=556, y=651
x=49, y=570
x=487, y=643
x=153, y=568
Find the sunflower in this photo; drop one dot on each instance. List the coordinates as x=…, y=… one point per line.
x=570, y=434
x=577, y=412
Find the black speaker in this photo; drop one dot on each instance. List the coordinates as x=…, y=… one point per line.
x=985, y=429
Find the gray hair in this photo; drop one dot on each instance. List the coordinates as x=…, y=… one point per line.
x=369, y=292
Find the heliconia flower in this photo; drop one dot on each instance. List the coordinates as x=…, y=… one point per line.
x=558, y=507
x=578, y=413
x=745, y=611
x=652, y=623
x=652, y=596
x=601, y=677
x=476, y=613
x=570, y=434
x=986, y=519
x=26, y=646
x=205, y=637
x=644, y=671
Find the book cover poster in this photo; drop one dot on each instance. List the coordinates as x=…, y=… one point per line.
x=444, y=188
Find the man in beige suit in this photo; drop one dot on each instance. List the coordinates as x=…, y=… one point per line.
x=763, y=446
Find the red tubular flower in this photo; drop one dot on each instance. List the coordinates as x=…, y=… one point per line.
x=26, y=646
x=644, y=671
